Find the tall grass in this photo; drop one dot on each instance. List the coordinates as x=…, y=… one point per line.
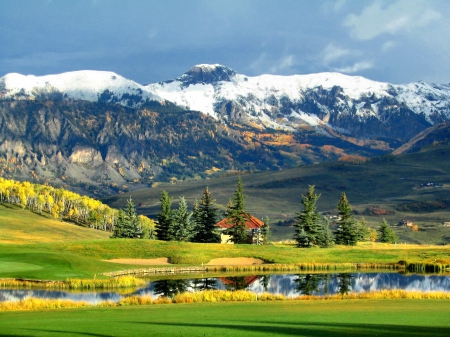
x=262, y=268
x=76, y=284
x=219, y=296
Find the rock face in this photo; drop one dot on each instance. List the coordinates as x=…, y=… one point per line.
x=103, y=133
x=351, y=105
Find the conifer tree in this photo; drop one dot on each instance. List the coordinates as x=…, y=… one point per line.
x=326, y=239
x=362, y=230
x=346, y=233
x=237, y=216
x=127, y=225
x=182, y=227
x=265, y=232
x=164, y=218
x=205, y=217
x=387, y=234
x=308, y=230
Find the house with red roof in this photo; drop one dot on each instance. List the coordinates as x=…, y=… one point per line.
x=252, y=225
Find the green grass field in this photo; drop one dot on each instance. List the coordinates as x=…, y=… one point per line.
x=382, y=183
x=21, y=227
x=68, y=251
x=83, y=259
x=293, y=318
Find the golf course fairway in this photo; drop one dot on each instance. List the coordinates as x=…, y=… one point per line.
x=287, y=318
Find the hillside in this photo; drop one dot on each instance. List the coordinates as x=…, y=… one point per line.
x=396, y=184
x=99, y=133
x=19, y=226
x=104, y=148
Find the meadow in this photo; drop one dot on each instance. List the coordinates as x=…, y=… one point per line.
x=390, y=183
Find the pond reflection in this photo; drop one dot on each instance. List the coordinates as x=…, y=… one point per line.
x=289, y=285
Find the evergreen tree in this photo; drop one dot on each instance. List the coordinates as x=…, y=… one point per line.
x=326, y=239
x=205, y=217
x=387, y=234
x=265, y=232
x=127, y=225
x=362, y=230
x=237, y=217
x=164, y=218
x=346, y=233
x=118, y=226
x=308, y=231
x=182, y=228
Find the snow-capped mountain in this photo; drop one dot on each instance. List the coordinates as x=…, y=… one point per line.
x=85, y=85
x=292, y=101
x=352, y=105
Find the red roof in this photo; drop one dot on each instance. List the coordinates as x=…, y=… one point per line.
x=250, y=223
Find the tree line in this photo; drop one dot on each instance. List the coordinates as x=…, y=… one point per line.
x=66, y=205
x=199, y=225
x=312, y=230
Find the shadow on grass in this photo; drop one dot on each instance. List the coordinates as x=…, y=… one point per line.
x=62, y=332
x=316, y=328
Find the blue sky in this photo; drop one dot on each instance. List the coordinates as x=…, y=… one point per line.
x=397, y=41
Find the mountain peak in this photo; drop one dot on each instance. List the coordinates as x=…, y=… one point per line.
x=207, y=74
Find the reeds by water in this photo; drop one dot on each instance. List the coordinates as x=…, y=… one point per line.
x=219, y=296
x=261, y=268
x=75, y=284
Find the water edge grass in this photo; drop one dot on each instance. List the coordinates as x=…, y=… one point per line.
x=215, y=296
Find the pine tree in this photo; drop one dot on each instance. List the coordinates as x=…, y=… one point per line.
x=205, y=217
x=182, y=228
x=387, y=234
x=164, y=218
x=119, y=224
x=127, y=224
x=308, y=231
x=265, y=232
x=237, y=216
x=362, y=230
x=131, y=227
x=326, y=239
x=346, y=233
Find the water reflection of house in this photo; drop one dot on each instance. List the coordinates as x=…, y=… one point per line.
x=252, y=226
x=239, y=282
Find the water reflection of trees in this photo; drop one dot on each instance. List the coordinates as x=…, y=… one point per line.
x=204, y=284
x=307, y=284
x=169, y=288
x=264, y=280
x=344, y=282
x=310, y=284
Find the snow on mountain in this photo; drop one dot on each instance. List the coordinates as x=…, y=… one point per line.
x=78, y=85
x=290, y=101
x=333, y=100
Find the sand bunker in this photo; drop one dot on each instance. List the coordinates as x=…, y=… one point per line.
x=147, y=262
x=237, y=261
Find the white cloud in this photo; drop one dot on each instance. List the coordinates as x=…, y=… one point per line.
x=285, y=62
x=358, y=66
x=332, y=53
x=390, y=18
x=264, y=65
x=388, y=45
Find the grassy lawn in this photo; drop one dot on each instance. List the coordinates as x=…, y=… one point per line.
x=83, y=259
x=22, y=227
x=293, y=318
x=36, y=247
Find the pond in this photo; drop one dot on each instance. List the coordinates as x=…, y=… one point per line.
x=289, y=285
